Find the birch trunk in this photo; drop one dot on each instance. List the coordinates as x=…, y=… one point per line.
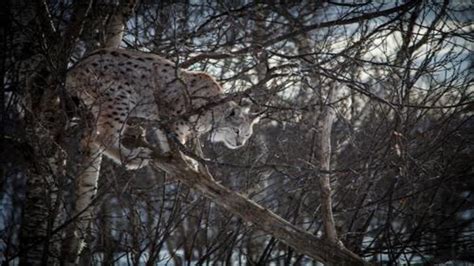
x=87, y=180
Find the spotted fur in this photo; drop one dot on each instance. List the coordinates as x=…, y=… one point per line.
x=120, y=84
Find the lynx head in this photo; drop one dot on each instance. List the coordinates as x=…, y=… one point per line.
x=235, y=126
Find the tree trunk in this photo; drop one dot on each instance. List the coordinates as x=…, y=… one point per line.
x=28, y=72
x=87, y=180
x=114, y=30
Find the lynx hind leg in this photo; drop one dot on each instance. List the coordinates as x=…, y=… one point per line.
x=110, y=126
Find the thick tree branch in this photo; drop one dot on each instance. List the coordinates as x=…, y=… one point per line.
x=255, y=214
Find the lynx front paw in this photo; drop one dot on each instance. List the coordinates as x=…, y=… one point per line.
x=138, y=158
x=193, y=164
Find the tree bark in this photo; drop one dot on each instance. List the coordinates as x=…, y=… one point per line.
x=325, y=123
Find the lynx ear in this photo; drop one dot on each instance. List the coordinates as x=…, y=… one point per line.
x=232, y=109
x=246, y=104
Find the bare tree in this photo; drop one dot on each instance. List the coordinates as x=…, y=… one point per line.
x=365, y=138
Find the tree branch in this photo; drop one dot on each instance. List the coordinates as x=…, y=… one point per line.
x=255, y=214
x=338, y=22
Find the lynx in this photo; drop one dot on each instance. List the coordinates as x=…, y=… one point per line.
x=120, y=84
x=117, y=85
